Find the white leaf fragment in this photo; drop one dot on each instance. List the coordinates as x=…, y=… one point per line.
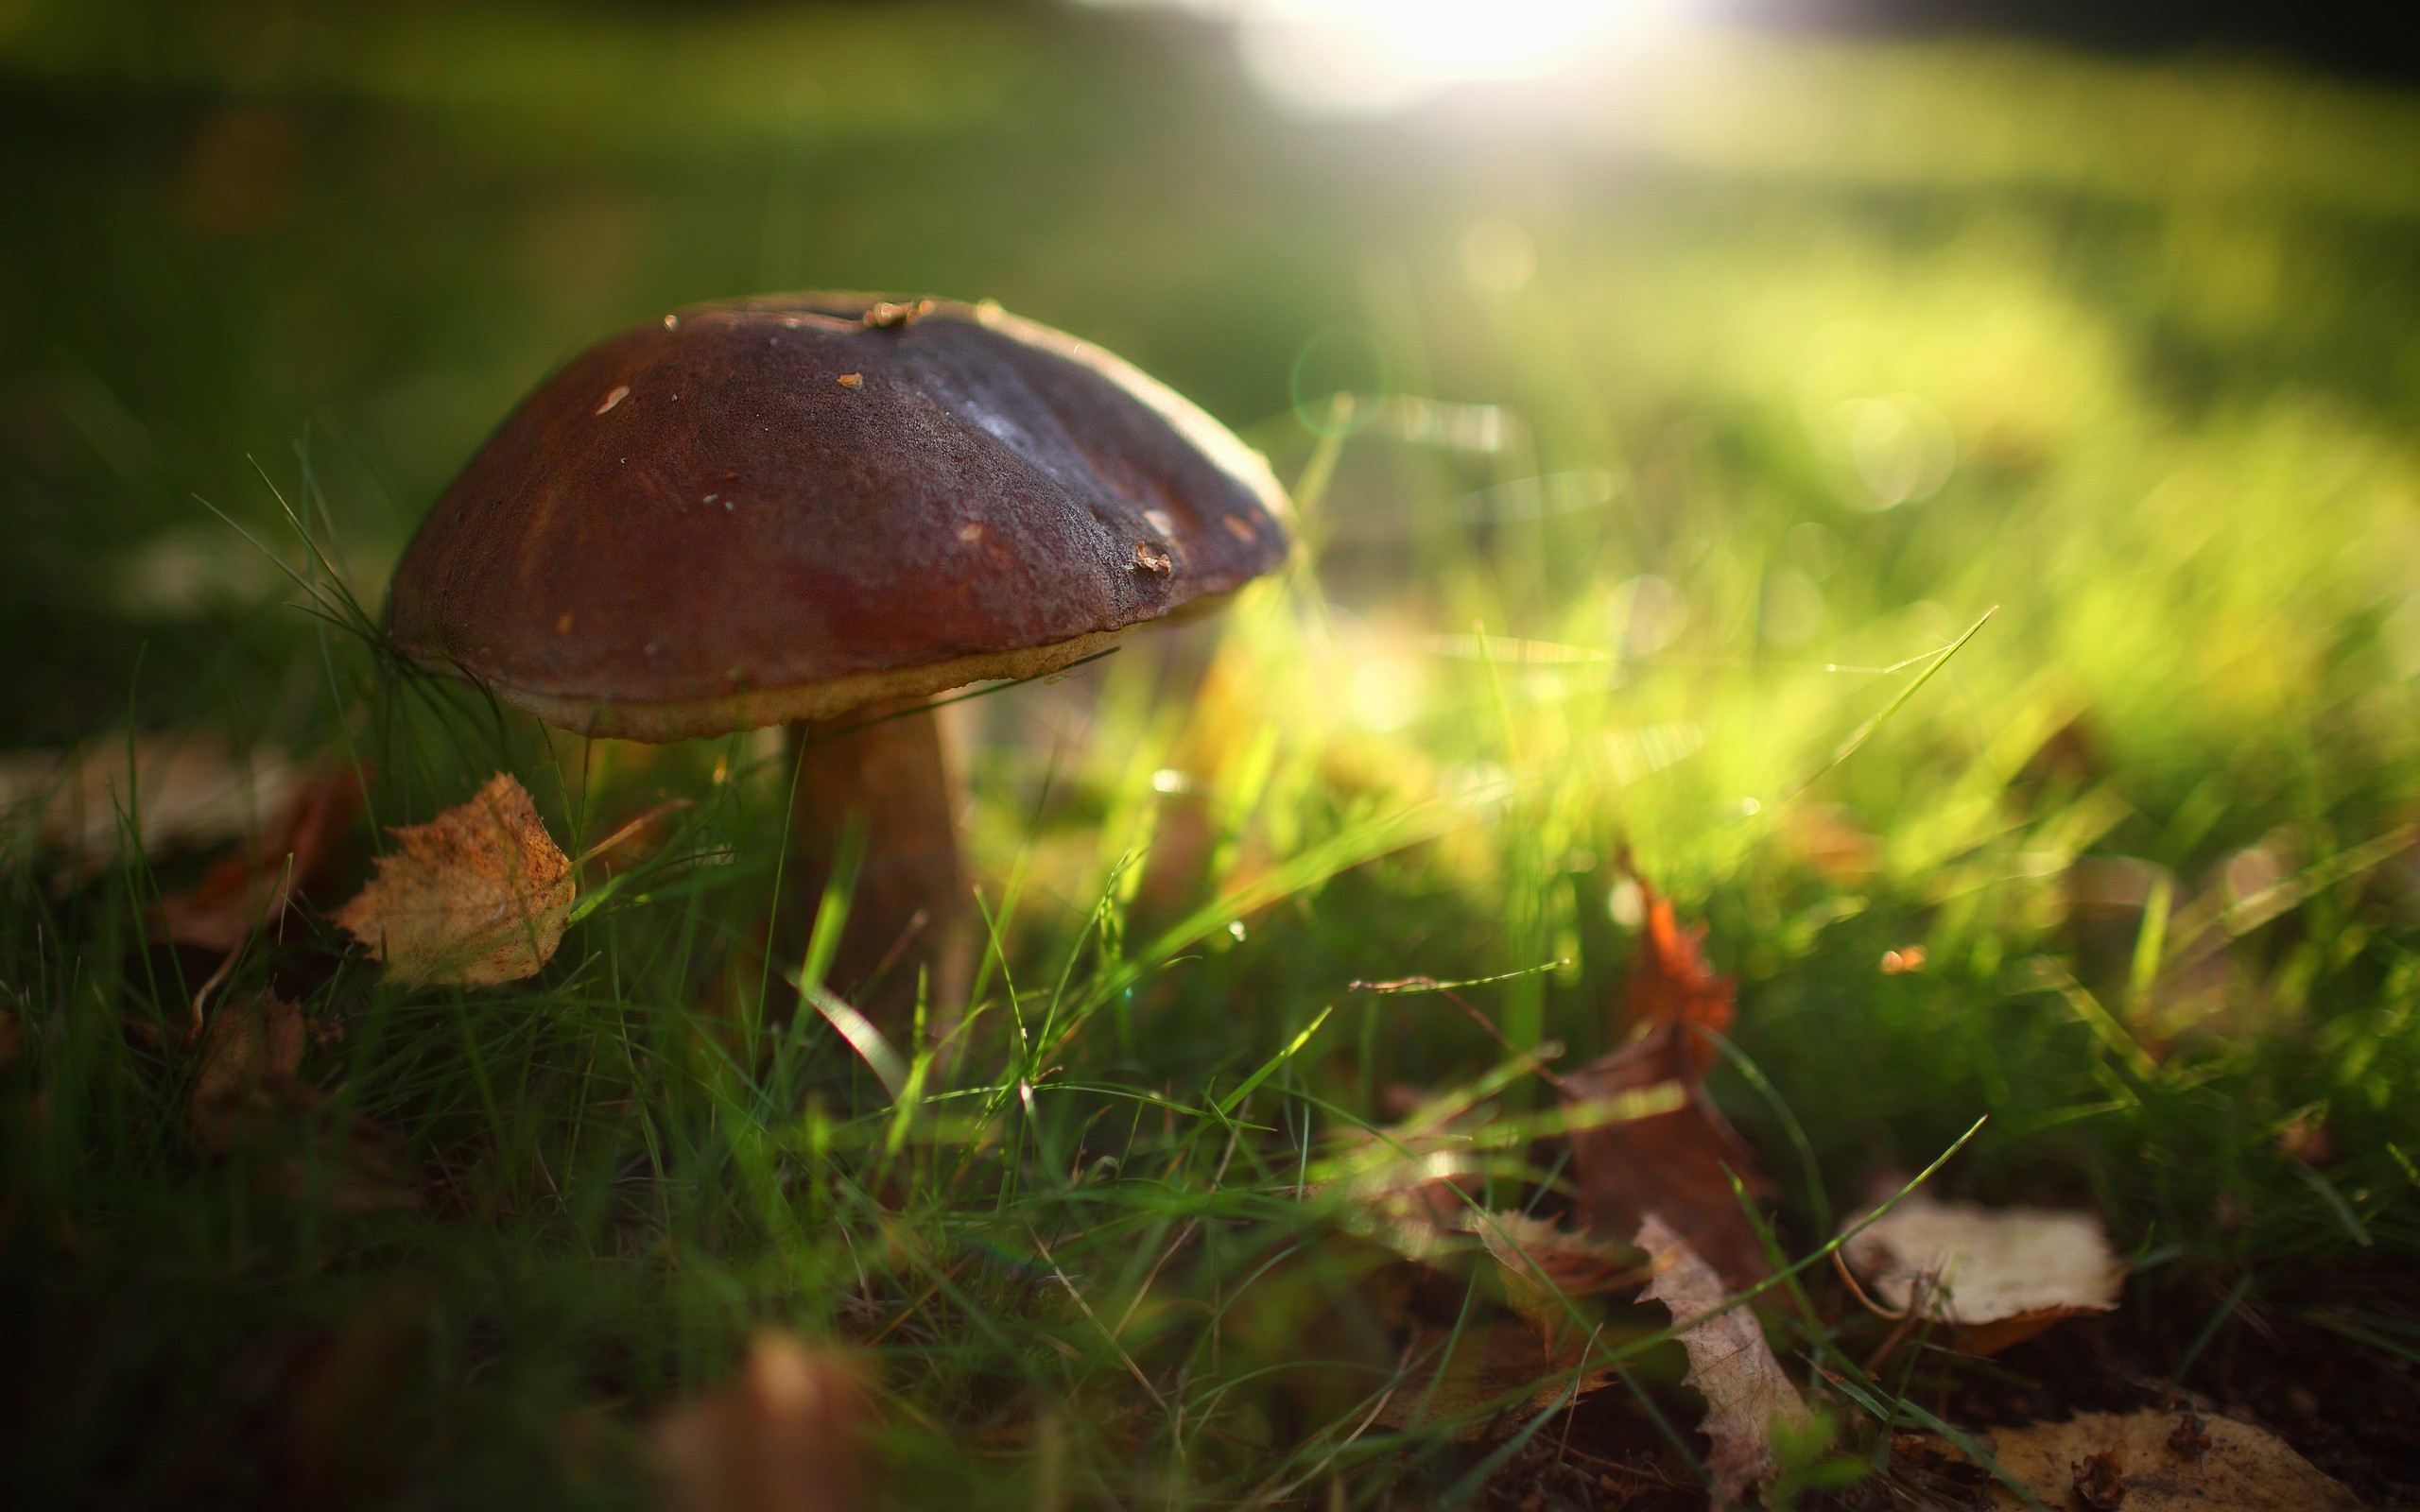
x=1729, y=1363
x=1979, y=1265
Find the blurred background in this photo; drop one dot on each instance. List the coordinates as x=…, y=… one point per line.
x=1874, y=275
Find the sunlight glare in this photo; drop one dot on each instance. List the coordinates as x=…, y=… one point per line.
x=1371, y=57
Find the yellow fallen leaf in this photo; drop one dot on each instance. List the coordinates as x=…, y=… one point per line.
x=1997, y=1275
x=476, y=896
x=784, y=1435
x=2154, y=1461
x=1729, y=1363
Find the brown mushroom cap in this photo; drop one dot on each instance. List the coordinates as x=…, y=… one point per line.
x=781, y=508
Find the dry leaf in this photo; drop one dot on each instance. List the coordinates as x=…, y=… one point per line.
x=2148, y=1462
x=784, y=1435
x=251, y=890
x=184, y=791
x=1669, y=984
x=1729, y=1363
x=245, y=1095
x=1493, y=1374
x=1487, y=1372
x=246, y=1083
x=1545, y=1268
x=1997, y=1275
x=1479, y=1372
x=475, y=897
x=1677, y=1163
x=1540, y=1350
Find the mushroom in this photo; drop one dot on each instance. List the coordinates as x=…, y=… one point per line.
x=818, y=510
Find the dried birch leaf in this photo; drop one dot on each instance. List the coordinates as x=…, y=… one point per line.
x=250, y=890
x=1997, y=1275
x=1676, y=1162
x=475, y=897
x=2160, y=1462
x=1729, y=1363
x=784, y=1435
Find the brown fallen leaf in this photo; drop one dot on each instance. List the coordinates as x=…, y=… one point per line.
x=251, y=889
x=246, y=1085
x=247, y=1095
x=476, y=895
x=1729, y=1363
x=1679, y=1160
x=1671, y=985
x=2133, y=1462
x=1414, y=1191
x=1545, y=1267
x=1483, y=1373
x=1998, y=1276
x=1677, y=1163
x=786, y=1434
x=1485, y=1377
x=179, y=791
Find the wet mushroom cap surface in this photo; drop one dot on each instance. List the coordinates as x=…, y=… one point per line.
x=784, y=508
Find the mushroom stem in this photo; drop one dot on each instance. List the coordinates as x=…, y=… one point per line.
x=884, y=764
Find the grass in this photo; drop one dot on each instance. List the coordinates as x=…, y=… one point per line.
x=1801, y=420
